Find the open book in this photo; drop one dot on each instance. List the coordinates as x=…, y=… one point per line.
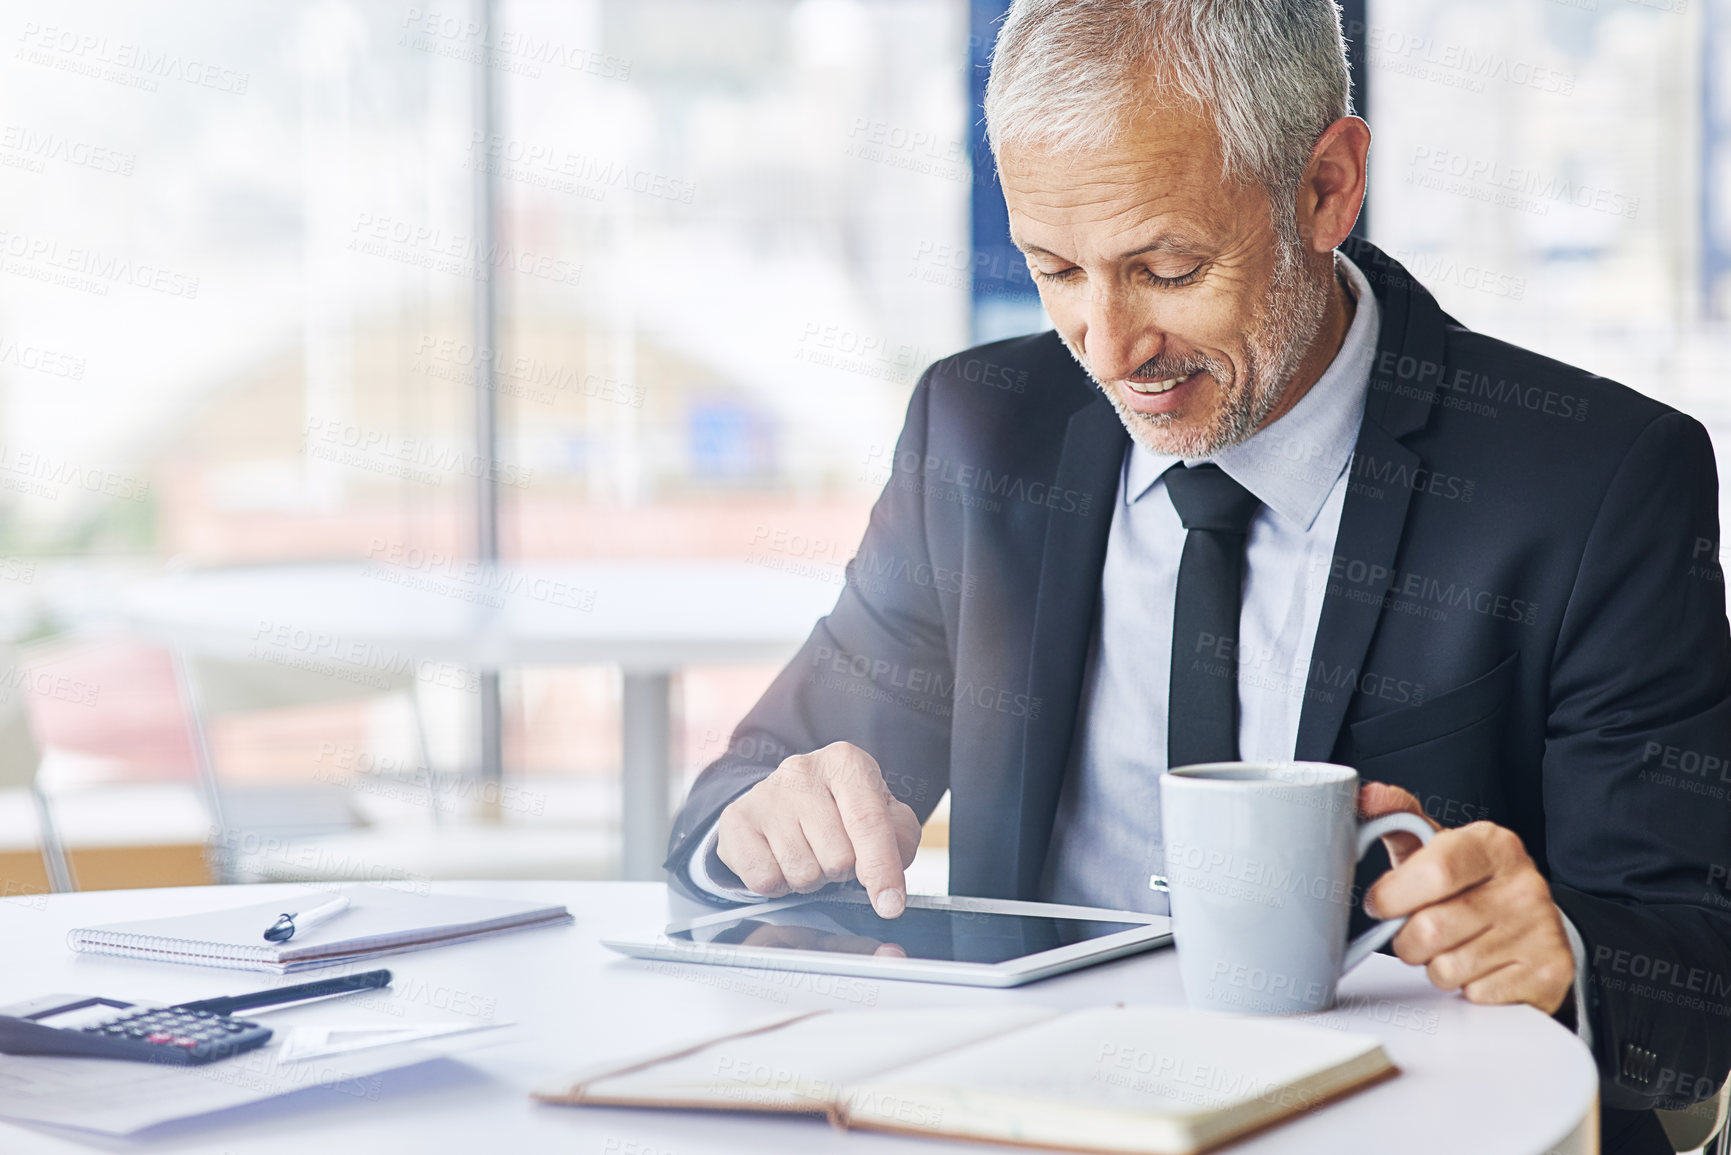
x=1156, y=1080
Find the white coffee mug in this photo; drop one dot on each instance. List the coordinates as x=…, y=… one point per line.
x=1259, y=863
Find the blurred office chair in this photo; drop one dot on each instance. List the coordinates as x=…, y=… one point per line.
x=1701, y=1127
x=312, y=833
x=19, y=762
x=248, y=815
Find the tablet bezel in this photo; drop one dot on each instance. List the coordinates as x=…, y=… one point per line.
x=1153, y=931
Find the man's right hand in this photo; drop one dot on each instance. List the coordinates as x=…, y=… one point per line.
x=819, y=818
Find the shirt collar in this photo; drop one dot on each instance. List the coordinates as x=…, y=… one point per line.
x=1291, y=466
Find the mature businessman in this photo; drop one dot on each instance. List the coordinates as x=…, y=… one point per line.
x=1262, y=498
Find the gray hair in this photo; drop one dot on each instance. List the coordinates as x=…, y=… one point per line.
x=1271, y=74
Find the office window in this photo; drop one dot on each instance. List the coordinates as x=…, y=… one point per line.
x=238, y=332
x=222, y=252
x=769, y=203
x=1556, y=172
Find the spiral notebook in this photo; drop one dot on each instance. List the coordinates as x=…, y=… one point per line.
x=379, y=921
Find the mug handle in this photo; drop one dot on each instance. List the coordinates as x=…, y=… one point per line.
x=1372, y=940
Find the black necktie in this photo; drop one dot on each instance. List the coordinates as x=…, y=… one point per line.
x=1202, y=706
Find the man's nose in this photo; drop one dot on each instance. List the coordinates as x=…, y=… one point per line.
x=1120, y=337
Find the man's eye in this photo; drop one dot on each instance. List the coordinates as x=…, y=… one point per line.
x=1061, y=275
x=1177, y=282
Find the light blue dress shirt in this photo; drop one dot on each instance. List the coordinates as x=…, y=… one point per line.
x=1106, y=838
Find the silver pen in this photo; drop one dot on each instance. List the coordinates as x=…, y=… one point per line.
x=287, y=924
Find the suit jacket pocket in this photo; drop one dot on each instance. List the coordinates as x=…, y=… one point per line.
x=1457, y=709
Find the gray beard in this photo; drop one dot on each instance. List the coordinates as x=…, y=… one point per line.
x=1281, y=332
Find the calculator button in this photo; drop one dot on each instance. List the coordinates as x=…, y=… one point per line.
x=159, y=1037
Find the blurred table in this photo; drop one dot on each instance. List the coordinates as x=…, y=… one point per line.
x=649, y=618
x=1485, y=1080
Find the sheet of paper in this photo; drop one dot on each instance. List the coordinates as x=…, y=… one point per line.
x=314, y=1042
x=119, y=1098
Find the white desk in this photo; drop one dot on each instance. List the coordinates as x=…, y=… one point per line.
x=1486, y=1080
x=649, y=618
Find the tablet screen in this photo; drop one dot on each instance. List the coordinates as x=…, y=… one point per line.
x=920, y=933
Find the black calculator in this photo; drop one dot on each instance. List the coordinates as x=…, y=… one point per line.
x=99, y=1028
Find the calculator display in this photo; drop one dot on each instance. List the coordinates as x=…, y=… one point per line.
x=76, y=1018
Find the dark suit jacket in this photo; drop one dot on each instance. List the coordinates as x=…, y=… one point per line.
x=1525, y=623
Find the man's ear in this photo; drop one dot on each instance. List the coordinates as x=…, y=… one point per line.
x=1332, y=189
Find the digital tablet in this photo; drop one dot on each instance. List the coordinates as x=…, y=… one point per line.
x=983, y=942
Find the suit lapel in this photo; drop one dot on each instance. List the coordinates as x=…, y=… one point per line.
x=1067, y=599
x=1379, y=489
x=1382, y=475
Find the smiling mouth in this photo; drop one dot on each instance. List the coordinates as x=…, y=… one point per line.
x=1155, y=388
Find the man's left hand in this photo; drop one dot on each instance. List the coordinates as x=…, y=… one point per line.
x=1481, y=920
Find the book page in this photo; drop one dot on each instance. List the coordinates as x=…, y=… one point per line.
x=807, y=1064
x=1123, y=1078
